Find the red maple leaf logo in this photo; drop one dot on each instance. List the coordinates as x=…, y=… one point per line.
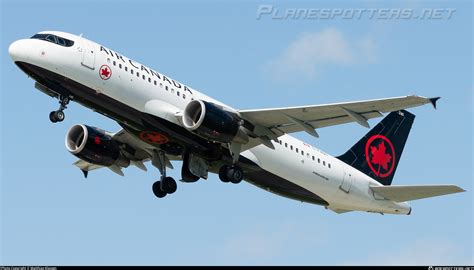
x=380, y=156
x=105, y=72
x=153, y=137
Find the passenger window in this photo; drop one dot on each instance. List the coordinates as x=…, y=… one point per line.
x=115, y=63
x=324, y=163
x=161, y=85
x=319, y=161
x=154, y=82
x=286, y=145
x=138, y=74
x=166, y=87
x=296, y=150
x=329, y=165
x=131, y=71
x=120, y=65
x=302, y=152
x=143, y=76
x=126, y=68
x=313, y=158
x=177, y=92
x=184, y=96
x=291, y=147
x=149, y=79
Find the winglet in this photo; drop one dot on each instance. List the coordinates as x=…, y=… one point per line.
x=85, y=173
x=433, y=101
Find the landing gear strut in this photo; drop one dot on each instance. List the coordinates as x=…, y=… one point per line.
x=166, y=185
x=233, y=174
x=58, y=116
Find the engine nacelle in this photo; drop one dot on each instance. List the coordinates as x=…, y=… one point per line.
x=94, y=145
x=213, y=122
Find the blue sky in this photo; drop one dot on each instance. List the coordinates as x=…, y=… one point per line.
x=51, y=215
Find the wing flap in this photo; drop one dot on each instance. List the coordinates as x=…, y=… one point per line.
x=410, y=193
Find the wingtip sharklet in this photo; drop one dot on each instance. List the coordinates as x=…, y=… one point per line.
x=434, y=101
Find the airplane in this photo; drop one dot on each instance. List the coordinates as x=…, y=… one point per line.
x=164, y=120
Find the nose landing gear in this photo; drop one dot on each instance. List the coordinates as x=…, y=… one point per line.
x=58, y=116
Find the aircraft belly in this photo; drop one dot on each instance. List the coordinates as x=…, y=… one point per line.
x=292, y=169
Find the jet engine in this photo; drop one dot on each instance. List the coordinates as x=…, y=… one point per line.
x=213, y=122
x=94, y=145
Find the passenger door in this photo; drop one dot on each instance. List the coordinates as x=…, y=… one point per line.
x=88, y=54
x=346, y=182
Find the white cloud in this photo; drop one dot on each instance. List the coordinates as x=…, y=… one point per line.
x=311, y=52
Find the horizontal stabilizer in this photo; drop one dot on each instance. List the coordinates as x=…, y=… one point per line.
x=410, y=193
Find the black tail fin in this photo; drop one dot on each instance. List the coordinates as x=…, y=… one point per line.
x=378, y=152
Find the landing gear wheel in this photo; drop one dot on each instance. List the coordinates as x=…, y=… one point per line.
x=223, y=174
x=52, y=117
x=157, y=190
x=56, y=116
x=235, y=174
x=169, y=185
x=59, y=116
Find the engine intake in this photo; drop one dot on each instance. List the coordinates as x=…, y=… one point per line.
x=213, y=122
x=94, y=145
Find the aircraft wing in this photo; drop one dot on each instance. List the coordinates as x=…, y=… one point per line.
x=410, y=193
x=132, y=149
x=309, y=118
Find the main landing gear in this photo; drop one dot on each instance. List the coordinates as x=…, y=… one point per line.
x=166, y=185
x=58, y=116
x=233, y=174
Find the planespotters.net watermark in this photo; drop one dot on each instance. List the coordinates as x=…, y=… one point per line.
x=275, y=13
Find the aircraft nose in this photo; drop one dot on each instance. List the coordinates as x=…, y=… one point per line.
x=16, y=50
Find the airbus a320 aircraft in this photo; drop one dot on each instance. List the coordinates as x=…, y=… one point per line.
x=165, y=120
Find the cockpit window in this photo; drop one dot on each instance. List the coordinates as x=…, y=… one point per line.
x=51, y=38
x=61, y=42
x=54, y=39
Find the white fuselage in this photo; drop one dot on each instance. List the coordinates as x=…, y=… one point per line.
x=342, y=186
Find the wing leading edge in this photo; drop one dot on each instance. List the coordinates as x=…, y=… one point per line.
x=307, y=118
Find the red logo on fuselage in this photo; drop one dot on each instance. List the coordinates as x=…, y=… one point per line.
x=380, y=155
x=105, y=72
x=153, y=137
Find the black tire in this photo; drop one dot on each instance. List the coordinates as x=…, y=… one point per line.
x=59, y=116
x=157, y=190
x=235, y=174
x=223, y=174
x=169, y=185
x=52, y=117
